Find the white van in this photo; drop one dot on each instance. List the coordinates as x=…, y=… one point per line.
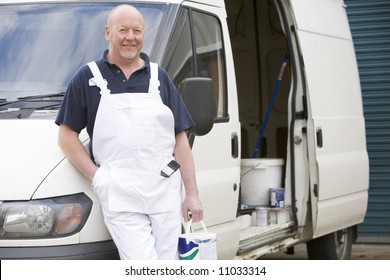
x=301, y=133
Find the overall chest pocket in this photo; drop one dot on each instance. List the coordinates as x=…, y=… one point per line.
x=136, y=122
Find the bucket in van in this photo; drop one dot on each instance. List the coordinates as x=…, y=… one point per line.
x=257, y=177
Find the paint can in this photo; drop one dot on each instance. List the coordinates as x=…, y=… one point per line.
x=276, y=197
x=197, y=245
x=261, y=217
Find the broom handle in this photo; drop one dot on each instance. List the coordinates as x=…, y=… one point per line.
x=261, y=134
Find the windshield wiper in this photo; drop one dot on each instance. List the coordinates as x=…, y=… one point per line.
x=52, y=96
x=37, y=102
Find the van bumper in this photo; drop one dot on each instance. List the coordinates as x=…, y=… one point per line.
x=87, y=251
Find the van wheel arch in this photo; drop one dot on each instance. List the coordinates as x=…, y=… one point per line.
x=334, y=246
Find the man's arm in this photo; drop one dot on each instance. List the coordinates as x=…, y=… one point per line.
x=183, y=156
x=69, y=142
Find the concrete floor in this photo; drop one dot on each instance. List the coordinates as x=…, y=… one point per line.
x=360, y=251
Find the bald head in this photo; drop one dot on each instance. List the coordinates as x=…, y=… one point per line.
x=123, y=11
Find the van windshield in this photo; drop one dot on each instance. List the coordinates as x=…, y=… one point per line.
x=43, y=45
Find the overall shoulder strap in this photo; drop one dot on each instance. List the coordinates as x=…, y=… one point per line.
x=98, y=78
x=154, y=83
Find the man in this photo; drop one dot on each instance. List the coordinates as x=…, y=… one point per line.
x=136, y=121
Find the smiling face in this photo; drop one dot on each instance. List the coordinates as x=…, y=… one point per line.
x=125, y=34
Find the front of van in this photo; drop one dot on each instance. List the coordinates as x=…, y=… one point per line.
x=47, y=208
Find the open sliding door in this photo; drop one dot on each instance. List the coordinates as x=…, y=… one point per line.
x=336, y=130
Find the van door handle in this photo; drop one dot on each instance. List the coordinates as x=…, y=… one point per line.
x=319, y=138
x=235, y=146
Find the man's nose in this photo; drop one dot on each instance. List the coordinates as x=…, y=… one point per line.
x=130, y=35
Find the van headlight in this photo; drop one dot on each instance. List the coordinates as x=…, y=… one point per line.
x=44, y=218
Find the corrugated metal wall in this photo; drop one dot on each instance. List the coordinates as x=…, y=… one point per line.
x=370, y=25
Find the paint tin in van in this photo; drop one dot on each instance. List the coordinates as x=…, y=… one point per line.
x=261, y=217
x=276, y=197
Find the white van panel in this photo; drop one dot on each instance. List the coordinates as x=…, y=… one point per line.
x=37, y=154
x=343, y=165
x=313, y=16
x=338, y=163
x=217, y=174
x=25, y=146
x=330, y=213
x=331, y=72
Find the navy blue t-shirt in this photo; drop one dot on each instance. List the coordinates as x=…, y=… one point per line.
x=81, y=101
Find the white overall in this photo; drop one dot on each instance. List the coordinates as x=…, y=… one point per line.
x=133, y=140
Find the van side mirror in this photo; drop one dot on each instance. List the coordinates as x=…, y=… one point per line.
x=197, y=94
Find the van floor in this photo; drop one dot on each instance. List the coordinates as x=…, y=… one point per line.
x=278, y=225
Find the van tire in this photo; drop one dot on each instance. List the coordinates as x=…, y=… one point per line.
x=334, y=246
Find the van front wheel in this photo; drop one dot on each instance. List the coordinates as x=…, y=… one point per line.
x=334, y=246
